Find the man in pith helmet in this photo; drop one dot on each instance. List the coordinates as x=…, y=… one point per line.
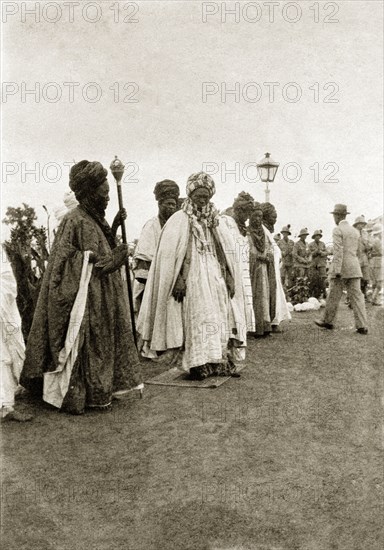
x=317, y=271
x=362, y=252
x=286, y=246
x=301, y=255
x=376, y=263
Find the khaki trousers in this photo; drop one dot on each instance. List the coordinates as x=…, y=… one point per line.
x=286, y=272
x=356, y=299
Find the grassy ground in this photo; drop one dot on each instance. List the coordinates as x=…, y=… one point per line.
x=288, y=457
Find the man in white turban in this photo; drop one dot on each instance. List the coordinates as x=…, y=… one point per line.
x=194, y=294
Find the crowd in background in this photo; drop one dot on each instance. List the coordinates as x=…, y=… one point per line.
x=299, y=258
x=204, y=282
x=312, y=260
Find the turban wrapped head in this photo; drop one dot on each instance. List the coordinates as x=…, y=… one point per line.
x=256, y=230
x=243, y=200
x=198, y=180
x=268, y=210
x=85, y=177
x=241, y=209
x=256, y=208
x=269, y=215
x=166, y=189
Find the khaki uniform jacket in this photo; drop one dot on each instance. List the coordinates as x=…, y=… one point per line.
x=345, y=247
x=376, y=253
x=363, y=249
x=301, y=255
x=318, y=254
x=286, y=252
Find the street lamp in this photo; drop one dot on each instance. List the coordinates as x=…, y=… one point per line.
x=267, y=169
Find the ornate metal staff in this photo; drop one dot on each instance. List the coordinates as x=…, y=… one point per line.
x=117, y=169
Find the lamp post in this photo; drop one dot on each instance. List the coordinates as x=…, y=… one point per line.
x=267, y=169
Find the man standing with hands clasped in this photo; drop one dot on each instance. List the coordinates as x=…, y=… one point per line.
x=345, y=269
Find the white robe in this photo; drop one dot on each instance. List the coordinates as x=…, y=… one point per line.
x=145, y=250
x=207, y=317
x=282, y=312
x=12, y=343
x=242, y=256
x=147, y=243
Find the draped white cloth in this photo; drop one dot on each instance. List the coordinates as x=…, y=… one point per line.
x=205, y=311
x=147, y=243
x=56, y=382
x=12, y=343
x=145, y=250
x=207, y=317
x=242, y=257
x=282, y=312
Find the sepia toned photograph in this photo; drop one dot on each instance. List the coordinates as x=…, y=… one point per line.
x=192, y=275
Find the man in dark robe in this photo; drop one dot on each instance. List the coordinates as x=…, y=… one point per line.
x=261, y=273
x=269, y=220
x=269, y=303
x=81, y=346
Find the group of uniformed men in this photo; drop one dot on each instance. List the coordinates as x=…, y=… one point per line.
x=302, y=259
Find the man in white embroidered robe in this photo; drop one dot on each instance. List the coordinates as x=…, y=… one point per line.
x=194, y=296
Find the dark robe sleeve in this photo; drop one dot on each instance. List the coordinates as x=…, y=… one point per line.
x=59, y=288
x=109, y=263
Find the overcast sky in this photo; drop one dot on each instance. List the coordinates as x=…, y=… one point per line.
x=328, y=123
